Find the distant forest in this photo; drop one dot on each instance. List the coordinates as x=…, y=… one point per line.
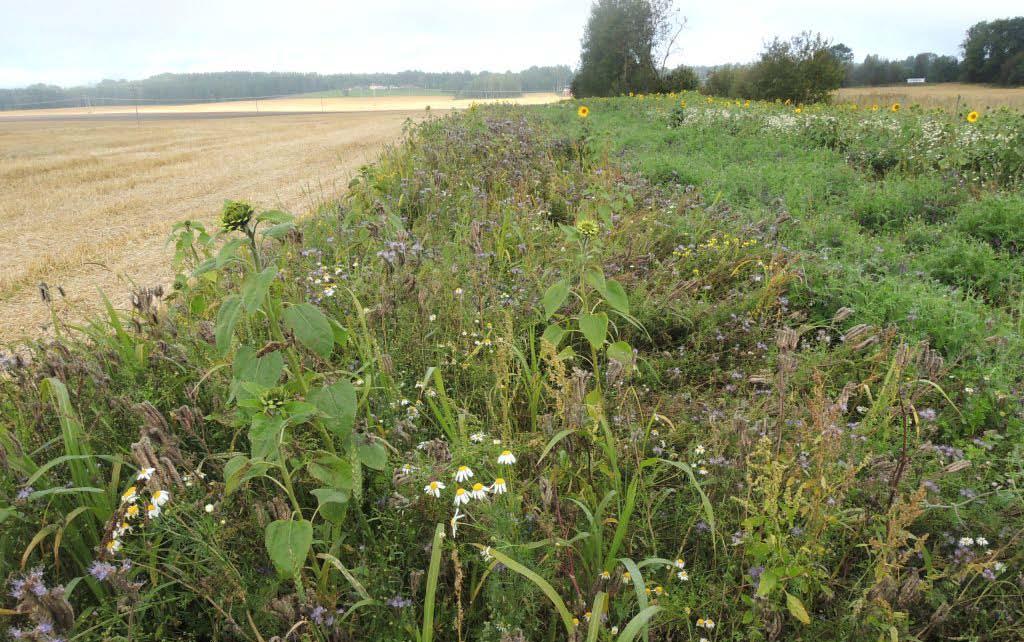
x=242, y=84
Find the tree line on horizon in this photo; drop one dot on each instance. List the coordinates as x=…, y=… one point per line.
x=229, y=85
x=624, y=41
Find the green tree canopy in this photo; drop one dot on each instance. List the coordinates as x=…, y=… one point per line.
x=618, y=47
x=994, y=52
x=802, y=69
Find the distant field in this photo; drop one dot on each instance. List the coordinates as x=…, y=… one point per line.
x=86, y=204
x=304, y=103
x=945, y=95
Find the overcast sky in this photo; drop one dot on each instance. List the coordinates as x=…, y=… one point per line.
x=69, y=42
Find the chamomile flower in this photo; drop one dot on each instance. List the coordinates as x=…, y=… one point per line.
x=477, y=437
x=463, y=473
x=434, y=488
x=699, y=450
x=478, y=492
x=981, y=541
x=486, y=554
x=145, y=474
x=113, y=546
x=587, y=616
x=683, y=576
x=499, y=486
x=605, y=575
x=966, y=541
x=680, y=564
x=705, y=623
x=130, y=495
x=506, y=458
x=161, y=497
x=614, y=630
x=626, y=577
x=152, y=511
x=575, y=621
x=208, y=508
x=132, y=511
x=461, y=496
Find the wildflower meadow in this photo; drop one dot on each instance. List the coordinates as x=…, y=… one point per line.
x=653, y=367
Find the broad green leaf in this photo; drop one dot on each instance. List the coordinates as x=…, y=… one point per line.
x=265, y=370
x=340, y=333
x=288, y=542
x=274, y=217
x=279, y=230
x=311, y=328
x=622, y=352
x=240, y=469
x=255, y=287
x=332, y=470
x=594, y=328
x=373, y=456
x=333, y=503
x=228, y=252
x=553, y=334
x=265, y=436
x=616, y=297
x=597, y=616
x=594, y=277
x=227, y=317
x=554, y=297
x=796, y=608
x=768, y=581
x=338, y=402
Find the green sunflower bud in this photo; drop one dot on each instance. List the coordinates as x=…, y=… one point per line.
x=235, y=215
x=588, y=228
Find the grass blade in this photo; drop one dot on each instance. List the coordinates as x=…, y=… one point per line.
x=427, y=634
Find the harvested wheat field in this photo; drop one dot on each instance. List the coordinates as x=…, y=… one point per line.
x=306, y=104
x=951, y=96
x=88, y=204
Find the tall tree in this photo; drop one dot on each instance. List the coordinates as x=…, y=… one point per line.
x=994, y=51
x=619, y=47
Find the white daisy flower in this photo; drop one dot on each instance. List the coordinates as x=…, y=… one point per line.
x=132, y=511
x=477, y=437
x=145, y=474
x=486, y=554
x=605, y=575
x=499, y=486
x=113, y=546
x=161, y=497
x=626, y=577
x=208, y=508
x=966, y=541
x=463, y=473
x=680, y=564
x=152, y=511
x=683, y=576
x=478, y=492
x=461, y=496
x=615, y=630
x=699, y=450
x=981, y=541
x=129, y=495
x=506, y=458
x=434, y=488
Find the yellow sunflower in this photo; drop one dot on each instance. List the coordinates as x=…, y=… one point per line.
x=973, y=117
x=895, y=107
x=682, y=103
x=583, y=111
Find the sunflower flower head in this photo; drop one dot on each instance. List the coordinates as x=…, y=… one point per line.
x=583, y=111
x=235, y=215
x=973, y=116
